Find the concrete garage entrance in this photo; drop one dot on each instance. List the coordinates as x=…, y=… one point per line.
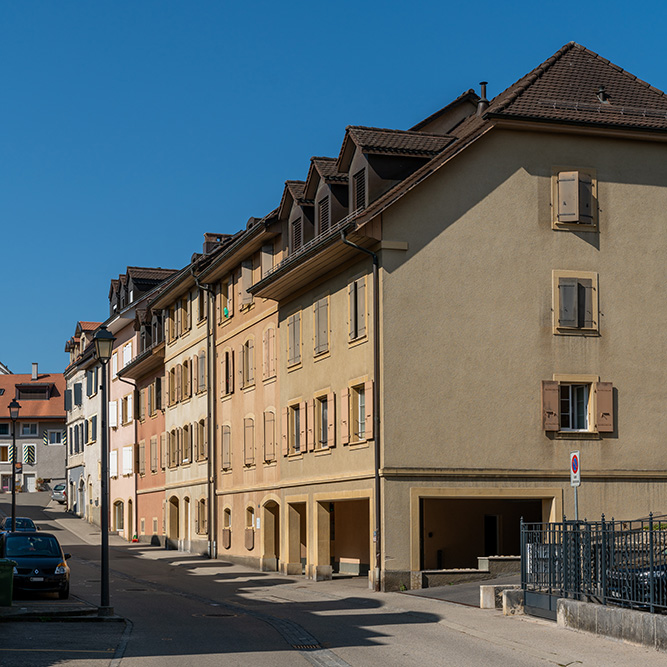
x=455, y=532
x=350, y=537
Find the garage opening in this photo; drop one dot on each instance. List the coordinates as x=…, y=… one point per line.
x=455, y=532
x=350, y=537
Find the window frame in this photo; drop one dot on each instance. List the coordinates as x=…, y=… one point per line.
x=559, y=275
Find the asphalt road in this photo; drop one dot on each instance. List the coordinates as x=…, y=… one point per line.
x=191, y=611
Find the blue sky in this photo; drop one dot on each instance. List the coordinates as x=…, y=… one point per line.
x=130, y=128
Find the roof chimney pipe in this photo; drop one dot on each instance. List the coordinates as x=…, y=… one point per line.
x=35, y=374
x=483, y=103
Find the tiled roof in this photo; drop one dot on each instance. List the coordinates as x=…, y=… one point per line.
x=89, y=326
x=31, y=409
x=468, y=95
x=296, y=189
x=565, y=88
x=326, y=167
x=402, y=142
x=141, y=273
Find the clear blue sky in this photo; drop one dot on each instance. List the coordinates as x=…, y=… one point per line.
x=130, y=128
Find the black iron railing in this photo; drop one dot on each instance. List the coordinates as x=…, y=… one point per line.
x=610, y=562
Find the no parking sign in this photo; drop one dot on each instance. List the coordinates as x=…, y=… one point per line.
x=575, y=469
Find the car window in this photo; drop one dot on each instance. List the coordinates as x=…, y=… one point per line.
x=21, y=523
x=21, y=546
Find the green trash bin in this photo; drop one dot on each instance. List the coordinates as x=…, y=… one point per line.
x=6, y=581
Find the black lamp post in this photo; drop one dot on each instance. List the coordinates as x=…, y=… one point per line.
x=14, y=408
x=104, y=341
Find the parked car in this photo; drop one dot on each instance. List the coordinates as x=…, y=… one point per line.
x=22, y=524
x=59, y=493
x=40, y=562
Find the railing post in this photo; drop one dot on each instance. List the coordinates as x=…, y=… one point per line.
x=603, y=564
x=651, y=563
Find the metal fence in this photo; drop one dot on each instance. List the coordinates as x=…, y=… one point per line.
x=609, y=562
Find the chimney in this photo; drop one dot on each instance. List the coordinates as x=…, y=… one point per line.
x=35, y=374
x=212, y=241
x=483, y=103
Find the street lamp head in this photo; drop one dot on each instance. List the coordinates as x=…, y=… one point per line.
x=104, y=341
x=14, y=408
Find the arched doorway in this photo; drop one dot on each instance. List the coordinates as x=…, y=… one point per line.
x=172, y=524
x=118, y=516
x=271, y=537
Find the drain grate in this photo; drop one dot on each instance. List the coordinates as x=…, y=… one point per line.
x=218, y=615
x=306, y=647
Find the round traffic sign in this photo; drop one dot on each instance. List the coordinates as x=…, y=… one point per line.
x=575, y=464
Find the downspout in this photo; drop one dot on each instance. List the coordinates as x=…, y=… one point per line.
x=210, y=398
x=376, y=406
x=136, y=433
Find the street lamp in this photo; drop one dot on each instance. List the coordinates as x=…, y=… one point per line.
x=14, y=408
x=104, y=341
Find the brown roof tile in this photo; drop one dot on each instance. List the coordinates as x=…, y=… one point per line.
x=565, y=87
x=402, y=142
x=31, y=409
x=326, y=167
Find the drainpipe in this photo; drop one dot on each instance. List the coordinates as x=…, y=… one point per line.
x=136, y=472
x=376, y=406
x=210, y=398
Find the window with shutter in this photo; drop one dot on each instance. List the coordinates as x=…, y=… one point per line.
x=294, y=339
x=575, y=297
x=321, y=325
x=93, y=428
x=78, y=394
x=246, y=282
x=113, y=463
x=266, y=260
x=323, y=215
x=113, y=414
x=574, y=197
x=68, y=400
x=249, y=441
x=202, y=371
x=357, y=308
x=359, y=187
x=142, y=458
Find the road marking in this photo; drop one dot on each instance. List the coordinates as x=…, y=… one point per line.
x=57, y=650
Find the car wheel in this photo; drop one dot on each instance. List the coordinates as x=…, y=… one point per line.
x=63, y=595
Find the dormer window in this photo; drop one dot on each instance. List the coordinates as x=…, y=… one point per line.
x=324, y=215
x=359, y=190
x=297, y=234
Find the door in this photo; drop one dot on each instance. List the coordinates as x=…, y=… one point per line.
x=30, y=485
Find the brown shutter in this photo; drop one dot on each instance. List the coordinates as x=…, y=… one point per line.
x=284, y=424
x=290, y=339
x=195, y=440
x=223, y=375
x=585, y=302
x=351, y=307
x=226, y=447
x=368, y=417
x=550, y=412
x=361, y=307
x=310, y=425
x=568, y=315
x=267, y=259
x=242, y=366
x=230, y=371
x=246, y=282
x=265, y=355
x=604, y=407
x=204, y=435
x=179, y=381
x=331, y=416
x=195, y=374
x=272, y=352
x=585, y=199
x=297, y=337
x=345, y=416
x=316, y=327
x=230, y=295
x=568, y=196
x=188, y=302
x=251, y=360
x=302, y=426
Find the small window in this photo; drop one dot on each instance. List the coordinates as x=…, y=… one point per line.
x=359, y=190
x=358, y=413
x=55, y=437
x=296, y=419
x=322, y=422
x=141, y=458
x=227, y=372
x=577, y=404
x=28, y=429
x=324, y=215
x=575, y=303
x=186, y=444
x=357, y=308
x=574, y=199
x=226, y=299
x=201, y=305
x=297, y=234
x=4, y=429
x=29, y=454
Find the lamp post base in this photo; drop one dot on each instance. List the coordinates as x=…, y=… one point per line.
x=105, y=611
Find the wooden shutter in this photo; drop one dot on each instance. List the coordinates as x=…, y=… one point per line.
x=230, y=371
x=585, y=303
x=251, y=360
x=297, y=235
x=195, y=374
x=195, y=440
x=604, y=420
x=269, y=436
x=368, y=417
x=323, y=324
x=242, y=366
x=188, y=308
x=68, y=399
x=550, y=411
x=359, y=185
x=78, y=398
x=361, y=307
x=93, y=428
x=352, y=309
x=163, y=450
x=316, y=327
x=223, y=375
x=345, y=416
x=310, y=425
x=297, y=337
x=331, y=416
x=266, y=259
x=272, y=352
x=230, y=295
x=568, y=196
x=284, y=425
x=249, y=440
x=585, y=199
x=113, y=414
x=86, y=434
x=246, y=282
x=303, y=424
x=179, y=380
x=265, y=355
x=202, y=371
x=568, y=315
x=226, y=447
x=290, y=340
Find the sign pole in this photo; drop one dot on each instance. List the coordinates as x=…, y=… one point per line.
x=575, y=480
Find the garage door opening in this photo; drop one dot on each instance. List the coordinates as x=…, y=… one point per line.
x=455, y=532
